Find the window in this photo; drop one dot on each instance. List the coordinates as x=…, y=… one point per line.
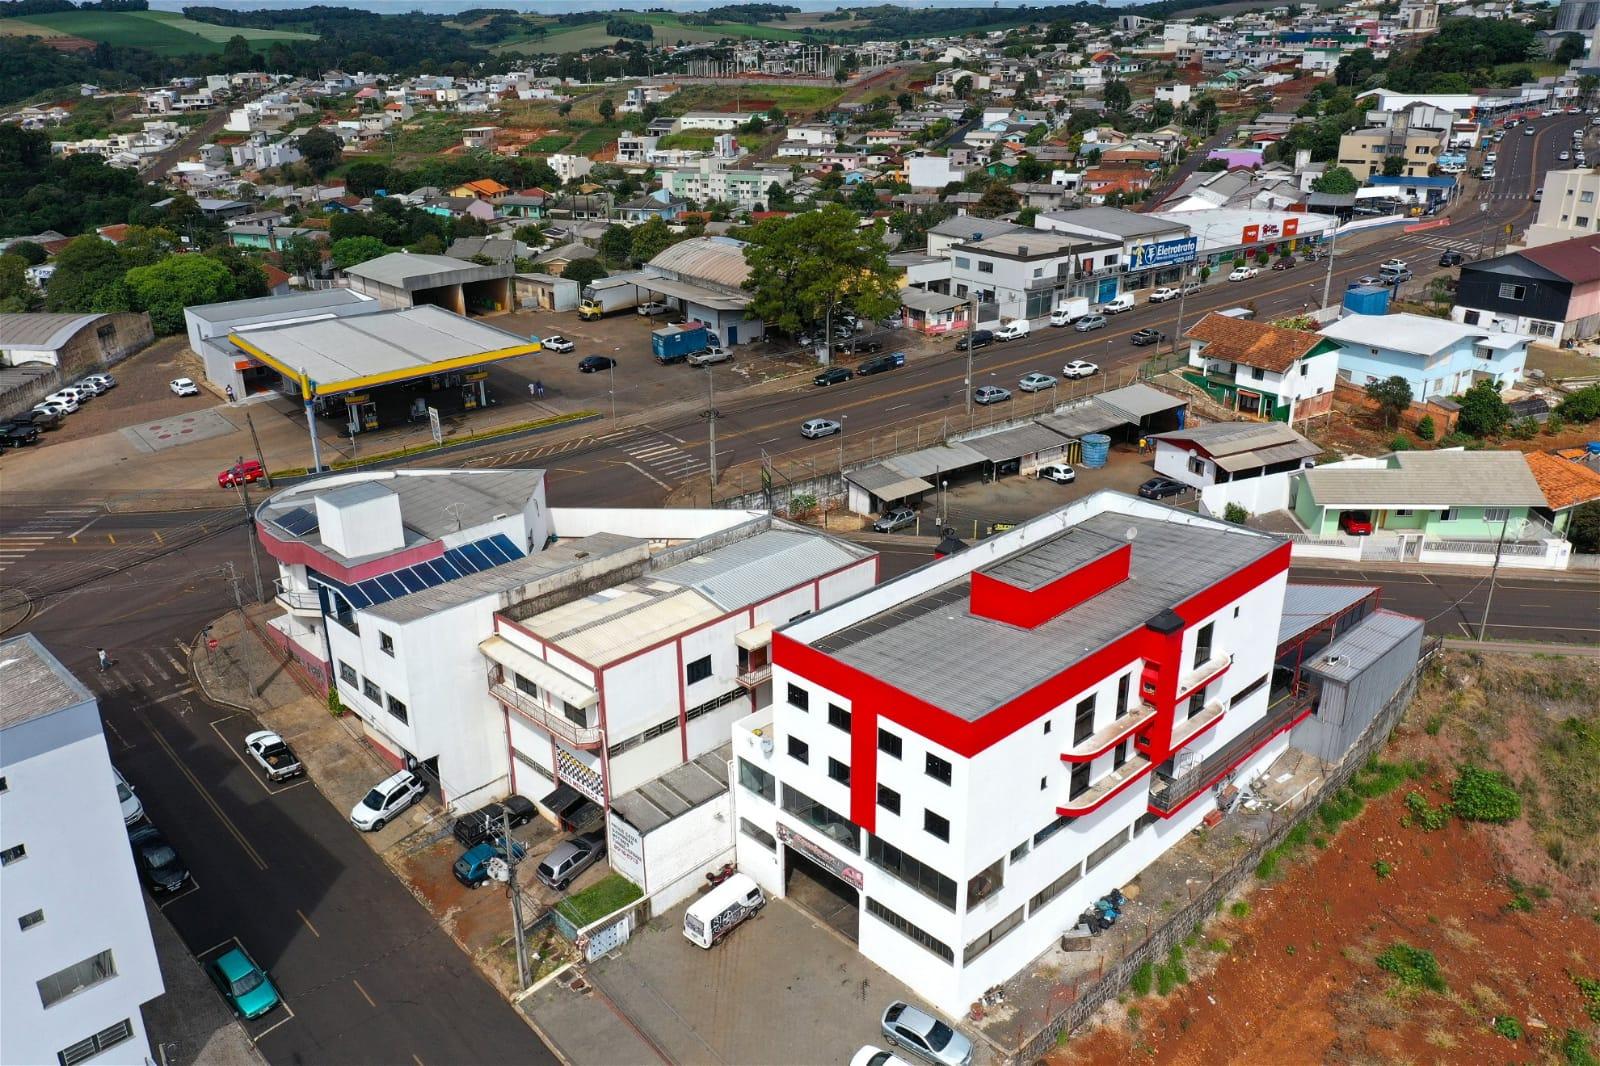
x=1202, y=645
x=1197, y=465
x=398, y=709
x=1196, y=702
x=522, y=758
x=1512, y=292
x=386, y=644
x=830, y=822
x=799, y=697
x=13, y=853
x=1120, y=755
x=1123, y=683
x=757, y=780
x=899, y=924
x=1257, y=374
x=4, y=785
x=712, y=704
x=839, y=771
x=1582, y=221
x=1447, y=515
x=1249, y=690
x=963, y=262
x=372, y=692
x=1052, y=829
x=698, y=670
x=1143, y=822
x=758, y=834
x=799, y=750
x=1055, y=888
x=888, y=743
x=1585, y=197
x=31, y=919
x=90, y=1046
x=1019, y=852
x=985, y=267
x=1080, y=780
x=937, y=768
x=1083, y=721
x=838, y=717
x=986, y=882
x=913, y=872
x=347, y=674
x=77, y=977
x=1305, y=368
x=1403, y=512
x=1047, y=724
x=1497, y=514
x=526, y=687
x=888, y=799
x=936, y=825
x=993, y=936
x=1106, y=850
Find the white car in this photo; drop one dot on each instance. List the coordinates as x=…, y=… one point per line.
x=1564, y=155
x=132, y=809
x=871, y=1056
x=1392, y=265
x=1487, y=173
x=1060, y=473
x=710, y=356
x=558, y=343
x=1036, y=382
x=1527, y=131
x=66, y=399
x=1163, y=294
x=386, y=800
x=654, y=307
x=1079, y=369
x=1243, y=273
x=273, y=755
x=183, y=387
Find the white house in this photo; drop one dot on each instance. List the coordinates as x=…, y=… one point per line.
x=79, y=958
x=1262, y=370
x=1219, y=452
x=1027, y=273
x=1436, y=357
x=1177, y=94
x=933, y=171
x=570, y=167
x=719, y=121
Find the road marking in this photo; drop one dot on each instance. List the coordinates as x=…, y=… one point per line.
x=157, y=534
x=227, y=822
x=86, y=525
x=192, y=888
x=897, y=407
x=271, y=788
x=313, y=929
x=417, y=1060
x=111, y=538
x=363, y=992
x=641, y=470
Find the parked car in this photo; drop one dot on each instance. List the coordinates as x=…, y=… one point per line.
x=563, y=865
x=67, y=399
x=1079, y=368
x=1060, y=473
x=1397, y=277
x=42, y=417
x=1090, y=322
x=1118, y=304
x=710, y=357
x=925, y=1036
x=1283, y=263
x=1159, y=488
x=834, y=375
x=893, y=519
x=132, y=808
x=273, y=755
x=1066, y=316
x=820, y=427
x=386, y=800
x=183, y=387
x=53, y=407
x=91, y=388
x=1370, y=279
x=987, y=394
x=871, y=1056
x=1036, y=382
x=477, y=826
x=1163, y=294
x=18, y=434
x=1013, y=330
x=104, y=379
x=245, y=473
x=593, y=364
x=859, y=347
x=878, y=364
x=247, y=987
x=1189, y=288
x=1356, y=523
x=1563, y=155
x=979, y=338
x=472, y=868
x=156, y=859
x=1148, y=335
x=654, y=307
x=1244, y=273
x=1487, y=173
x=559, y=343
x=1450, y=259
x=1392, y=264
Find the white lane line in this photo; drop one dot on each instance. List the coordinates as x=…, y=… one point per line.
x=641, y=470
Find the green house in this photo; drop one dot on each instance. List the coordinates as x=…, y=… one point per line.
x=1453, y=496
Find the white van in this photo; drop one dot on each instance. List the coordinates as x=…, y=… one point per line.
x=1068, y=313
x=1118, y=304
x=714, y=915
x=1016, y=329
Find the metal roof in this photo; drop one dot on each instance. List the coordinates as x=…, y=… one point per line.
x=689, y=292
x=886, y=484
x=1431, y=480
x=615, y=622
x=756, y=568
x=934, y=648
x=1364, y=644
x=44, y=332
x=288, y=306
x=717, y=260
x=1413, y=334
x=34, y=681
x=1138, y=401
x=1090, y=416
x=1115, y=220
x=676, y=792
x=929, y=462
x=929, y=302
x=972, y=228
x=1236, y=446
x=1307, y=606
x=1015, y=442
x=410, y=271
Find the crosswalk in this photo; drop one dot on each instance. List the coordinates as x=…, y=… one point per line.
x=663, y=453
x=39, y=530
x=1455, y=244
x=531, y=456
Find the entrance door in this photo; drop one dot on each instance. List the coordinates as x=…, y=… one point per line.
x=825, y=895
x=733, y=336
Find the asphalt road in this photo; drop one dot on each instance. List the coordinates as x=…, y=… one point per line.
x=367, y=975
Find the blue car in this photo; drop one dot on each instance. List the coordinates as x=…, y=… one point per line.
x=472, y=869
x=246, y=986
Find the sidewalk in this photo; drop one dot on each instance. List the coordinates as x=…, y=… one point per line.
x=188, y=1023
x=1520, y=647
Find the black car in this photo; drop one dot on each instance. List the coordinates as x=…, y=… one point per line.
x=158, y=863
x=483, y=823
x=1146, y=336
x=1159, y=488
x=833, y=376
x=858, y=347
x=38, y=419
x=17, y=434
x=877, y=365
x=592, y=364
x=980, y=338
x=1450, y=259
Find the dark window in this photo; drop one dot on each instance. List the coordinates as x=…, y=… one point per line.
x=712, y=704
x=1202, y=644
x=1106, y=850
x=899, y=924
x=838, y=717
x=993, y=936
x=1196, y=702
x=986, y=882
x=698, y=670
x=577, y=715
x=1080, y=780
x=90, y=1046
x=1123, y=684
x=758, y=834
x=1120, y=755
x=888, y=743
x=830, y=822
x=1249, y=690
x=1019, y=852
x=13, y=853
x=799, y=697
x=526, y=687
x=1047, y=724
x=31, y=919
x=77, y=977
x=799, y=750
x=914, y=872
x=1143, y=822
x=372, y=692
x=386, y=644
x=839, y=771
x=4, y=785
x=1052, y=829
x=758, y=781
x=1083, y=721
x=936, y=825
x=938, y=769
x=398, y=709
x=1055, y=888
x=888, y=799
x=347, y=674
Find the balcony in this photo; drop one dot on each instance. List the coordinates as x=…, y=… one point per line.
x=1201, y=676
x=1109, y=737
x=552, y=722
x=1108, y=786
x=755, y=676
x=1169, y=794
x=1185, y=731
x=300, y=602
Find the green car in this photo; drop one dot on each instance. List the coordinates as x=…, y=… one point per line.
x=246, y=986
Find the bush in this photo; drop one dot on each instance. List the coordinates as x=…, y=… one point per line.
x=1425, y=429
x=1419, y=813
x=1575, y=1050
x=1482, y=410
x=1590, y=988
x=1508, y=1027
x=1382, y=869
x=1401, y=444
x=1235, y=514
x=1240, y=908
x=1480, y=795
x=1342, y=806
x=1581, y=406
x=1457, y=439
x=1554, y=425
x=1412, y=967
x=1524, y=429
x=1143, y=979
x=1172, y=973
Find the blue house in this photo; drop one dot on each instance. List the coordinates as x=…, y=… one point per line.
x=659, y=203
x=1436, y=357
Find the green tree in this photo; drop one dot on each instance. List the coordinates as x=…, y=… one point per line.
x=1583, y=528
x=1394, y=166
x=1337, y=181
x=905, y=101
x=997, y=200
x=14, y=278
x=607, y=109
x=31, y=253
x=322, y=150
x=176, y=282
x=249, y=280
x=88, y=278
x=1116, y=96
x=236, y=55
x=146, y=245
x=301, y=255
x=803, y=266
x=616, y=244
x=1571, y=48
x=364, y=177
x=1392, y=395
x=776, y=115
x=650, y=240
x=1581, y=406
x=349, y=251
x=584, y=271
x=1483, y=412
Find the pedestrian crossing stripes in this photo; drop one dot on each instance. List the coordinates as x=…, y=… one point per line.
x=661, y=454
x=530, y=456
x=39, y=530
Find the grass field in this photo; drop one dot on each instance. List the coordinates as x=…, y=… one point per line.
x=669, y=30
x=592, y=140
x=166, y=32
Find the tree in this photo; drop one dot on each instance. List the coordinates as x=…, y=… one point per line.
x=1337, y=181
x=1482, y=410
x=1583, y=528
x=236, y=55
x=584, y=271
x=14, y=278
x=88, y=278
x=249, y=280
x=322, y=150
x=616, y=244
x=32, y=254
x=650, y=240
x=301, y=255
x=905, y=101
x=349, y=251
x=146, y=245
x=776, y=115
x=1392, y=395
x=176, y=282
x=1116, y=96
x=1571, y=48
x=365, y=178
x=1581, y=406
x=804, y=266
x=1394, y=166
x=997, y=200
x=607, y=109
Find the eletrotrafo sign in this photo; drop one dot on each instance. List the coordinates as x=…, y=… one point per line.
x=1163, y=253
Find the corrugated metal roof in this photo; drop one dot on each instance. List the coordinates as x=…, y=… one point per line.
x=1091, y=416
x=1015, y=442
x=616, y=622
x=35, y=682
x=1367, y=642
x=756, y=568
x=717, y=260
x=43, y=332
x=1230, y=438
x=1138, y=401
x=676, y=792
x=929, y=462
x=1306, y=606
x=410, y=271
x=288, y=306
x=1277, y=453
x=1431, y=479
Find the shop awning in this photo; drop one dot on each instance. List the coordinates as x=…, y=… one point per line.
x=756, y=637
x=565, y=798
x=538, y=671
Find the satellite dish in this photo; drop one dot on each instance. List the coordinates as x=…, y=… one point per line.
x=1132, y=534
x=498, y=870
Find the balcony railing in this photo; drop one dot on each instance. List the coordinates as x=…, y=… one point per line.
x=1122, y=777
x=755, y=675
x=1185, y=731
x=1104, y=740
x=1168, y=794
x=1201, y=676
x=297, y=600
x=552, y=722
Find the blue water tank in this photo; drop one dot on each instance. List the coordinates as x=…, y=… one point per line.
x=1367, y=299
x=1095, y=448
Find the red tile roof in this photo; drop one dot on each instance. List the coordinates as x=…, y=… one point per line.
x=1577, y=260
x=1253, y=343
x=1563, y=482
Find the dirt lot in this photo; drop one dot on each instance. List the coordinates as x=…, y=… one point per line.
x=1509, y=912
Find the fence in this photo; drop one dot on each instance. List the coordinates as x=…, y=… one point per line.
x=1114, y=980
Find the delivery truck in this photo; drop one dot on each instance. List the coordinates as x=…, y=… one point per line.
x=605, y=295
x=674, y=344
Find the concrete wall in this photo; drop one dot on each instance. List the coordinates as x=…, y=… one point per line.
x=97, y=346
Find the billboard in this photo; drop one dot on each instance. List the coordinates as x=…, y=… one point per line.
x=1163, y=253
x=1270, y=231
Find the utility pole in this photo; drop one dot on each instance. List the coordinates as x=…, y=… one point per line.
x=1327, y=280
x=1483, y=624
x=266, y=475
x=711, y=429
x=233, y=580
x=516, y=898
x=250, y=526
x=972, y=324
x=307, y=392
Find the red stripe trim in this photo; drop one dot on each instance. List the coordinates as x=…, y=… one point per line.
x=294, y=551
x=1079, y=812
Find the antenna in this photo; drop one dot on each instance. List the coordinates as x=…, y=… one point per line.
x=454, y=511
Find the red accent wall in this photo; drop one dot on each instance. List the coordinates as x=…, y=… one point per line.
x=294, y=551
x=1003, y=602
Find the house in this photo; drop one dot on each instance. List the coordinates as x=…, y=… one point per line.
x=1436, y=357
x=1253, y=368
x=554, y=260
x=1028, y=273
x=482, y=189
x=1567, y=486
x=1551, y=292
x=522, y=205
x=926, y=171
x=635, y=149
x=718, y=121
x=1568, y=209
x=705, y=276
x=1220, y=452
x=1155, y=250
x=479, y=137
x=656, y=204
x=570, y=167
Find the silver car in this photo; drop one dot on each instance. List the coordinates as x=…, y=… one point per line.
x=925, y=1036
x=987, y=394
x=1089, y=322
x=820, y=427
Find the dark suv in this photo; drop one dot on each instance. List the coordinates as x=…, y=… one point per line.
x=981, y=338
x=17, y=434
x=483, y=823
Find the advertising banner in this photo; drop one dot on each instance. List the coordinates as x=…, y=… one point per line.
x=1163, y=253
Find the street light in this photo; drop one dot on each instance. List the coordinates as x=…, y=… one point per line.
x=611, y=382
x=843, y=419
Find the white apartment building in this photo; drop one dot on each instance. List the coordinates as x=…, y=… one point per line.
x=1568, y=208
x=1154, y=250
x=979, y=749
x=706, y=180
x=260, y=153
x=720, y=121
x=570, y=167
x=1027, y=273
x=635, y=149
x=79, y=959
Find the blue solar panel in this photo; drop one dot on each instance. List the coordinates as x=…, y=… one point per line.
x=297, y=522
x=455, y=563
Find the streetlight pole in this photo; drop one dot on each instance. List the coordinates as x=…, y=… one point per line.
x=1333, y=247
x=611, y=386
x=711, y=428
x=843, y=420
x=972, y=321
x=1483, y=624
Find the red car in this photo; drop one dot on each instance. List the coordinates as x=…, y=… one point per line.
x=1356, y=523
x=249, y=470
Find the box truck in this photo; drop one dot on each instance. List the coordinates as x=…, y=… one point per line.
x=606, y=295
x=674, y=344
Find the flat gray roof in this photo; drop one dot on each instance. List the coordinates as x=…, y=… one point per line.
x=756, y=568
x=1307, y=606
x=1114, y=220
x=1364, y=644
x=289, y=306
x=410, y=271
x=1138, y=401
x=1015, y=442
x=676, y=792
x=35, y=682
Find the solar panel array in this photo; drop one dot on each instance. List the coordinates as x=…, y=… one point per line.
x=454, y=563
x=298, y=522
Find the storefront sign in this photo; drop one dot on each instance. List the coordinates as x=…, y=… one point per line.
x=570, y=769
x=1270, y=231
x=821, y=856
x=1251, y=235
x=626, y=853
x=1163, y=253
